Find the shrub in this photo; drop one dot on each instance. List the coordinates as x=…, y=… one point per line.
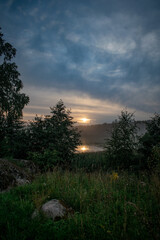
x=45, y=160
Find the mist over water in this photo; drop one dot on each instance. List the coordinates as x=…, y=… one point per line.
x=89, y=148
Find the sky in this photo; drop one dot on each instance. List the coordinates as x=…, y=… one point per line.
x=99, y=56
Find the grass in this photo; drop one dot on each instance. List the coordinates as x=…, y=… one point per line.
x=107, y=206
x=90, y=162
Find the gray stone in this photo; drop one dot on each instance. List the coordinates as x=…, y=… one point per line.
x=54, y=209
x=21, y=181
x=27, y=165
x=12, y=175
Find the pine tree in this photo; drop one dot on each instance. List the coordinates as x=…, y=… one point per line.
x=55, y=132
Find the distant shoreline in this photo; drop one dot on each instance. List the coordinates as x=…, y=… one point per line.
x=97, y=134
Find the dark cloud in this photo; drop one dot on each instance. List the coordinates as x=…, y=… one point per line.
x=106, y=49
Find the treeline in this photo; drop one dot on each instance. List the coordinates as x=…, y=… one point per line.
x=125, y=149
x=46, y=141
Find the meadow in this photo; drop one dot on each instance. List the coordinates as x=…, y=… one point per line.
x=107, y=205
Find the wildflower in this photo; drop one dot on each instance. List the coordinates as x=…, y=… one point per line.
x=114, y=176
x=102, y=226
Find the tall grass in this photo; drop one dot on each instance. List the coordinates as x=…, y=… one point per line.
x=89, y=162
x=106, y=206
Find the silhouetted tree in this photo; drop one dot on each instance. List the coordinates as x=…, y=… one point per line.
x=55, y=132
x=121, y=147
x=12, y=101
x=150, y=142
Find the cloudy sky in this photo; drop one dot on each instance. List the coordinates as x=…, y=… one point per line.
x=98, y=56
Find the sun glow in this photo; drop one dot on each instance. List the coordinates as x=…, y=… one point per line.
x=82, y=148
x=84, y=120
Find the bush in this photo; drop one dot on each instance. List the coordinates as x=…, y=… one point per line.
x=45, y=160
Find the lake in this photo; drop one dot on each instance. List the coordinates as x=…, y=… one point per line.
x=89, y=148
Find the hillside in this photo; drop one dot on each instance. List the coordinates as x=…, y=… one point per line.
x=96, y=134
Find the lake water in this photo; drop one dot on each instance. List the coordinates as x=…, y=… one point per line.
x=89, y=148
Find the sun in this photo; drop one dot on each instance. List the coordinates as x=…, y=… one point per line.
x=83, y=148
x=85, y=120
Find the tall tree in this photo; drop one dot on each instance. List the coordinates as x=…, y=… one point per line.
x=55, y=132
x=121, y=147
x=12, y=101
x=67, y=138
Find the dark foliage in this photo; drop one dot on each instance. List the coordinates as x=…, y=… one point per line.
x=55, y=133
x=121, y=147
x=150, y=143
x=12, y=101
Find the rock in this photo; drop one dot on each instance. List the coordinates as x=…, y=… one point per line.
x=54, y=209
x=27, y=165
x=20, y=181
x=11, y=175
x=35, y=214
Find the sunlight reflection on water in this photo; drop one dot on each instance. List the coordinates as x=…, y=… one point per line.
x=89, y=148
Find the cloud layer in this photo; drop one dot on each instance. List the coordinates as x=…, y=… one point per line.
x=107, y=50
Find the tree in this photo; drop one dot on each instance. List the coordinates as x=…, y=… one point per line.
x=12, y=101
x=121, y=147
x=55, y=132
x=150, y=142
x=153, y=128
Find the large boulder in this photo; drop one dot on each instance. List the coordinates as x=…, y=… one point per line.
x=54, y=209
x=12, y=175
